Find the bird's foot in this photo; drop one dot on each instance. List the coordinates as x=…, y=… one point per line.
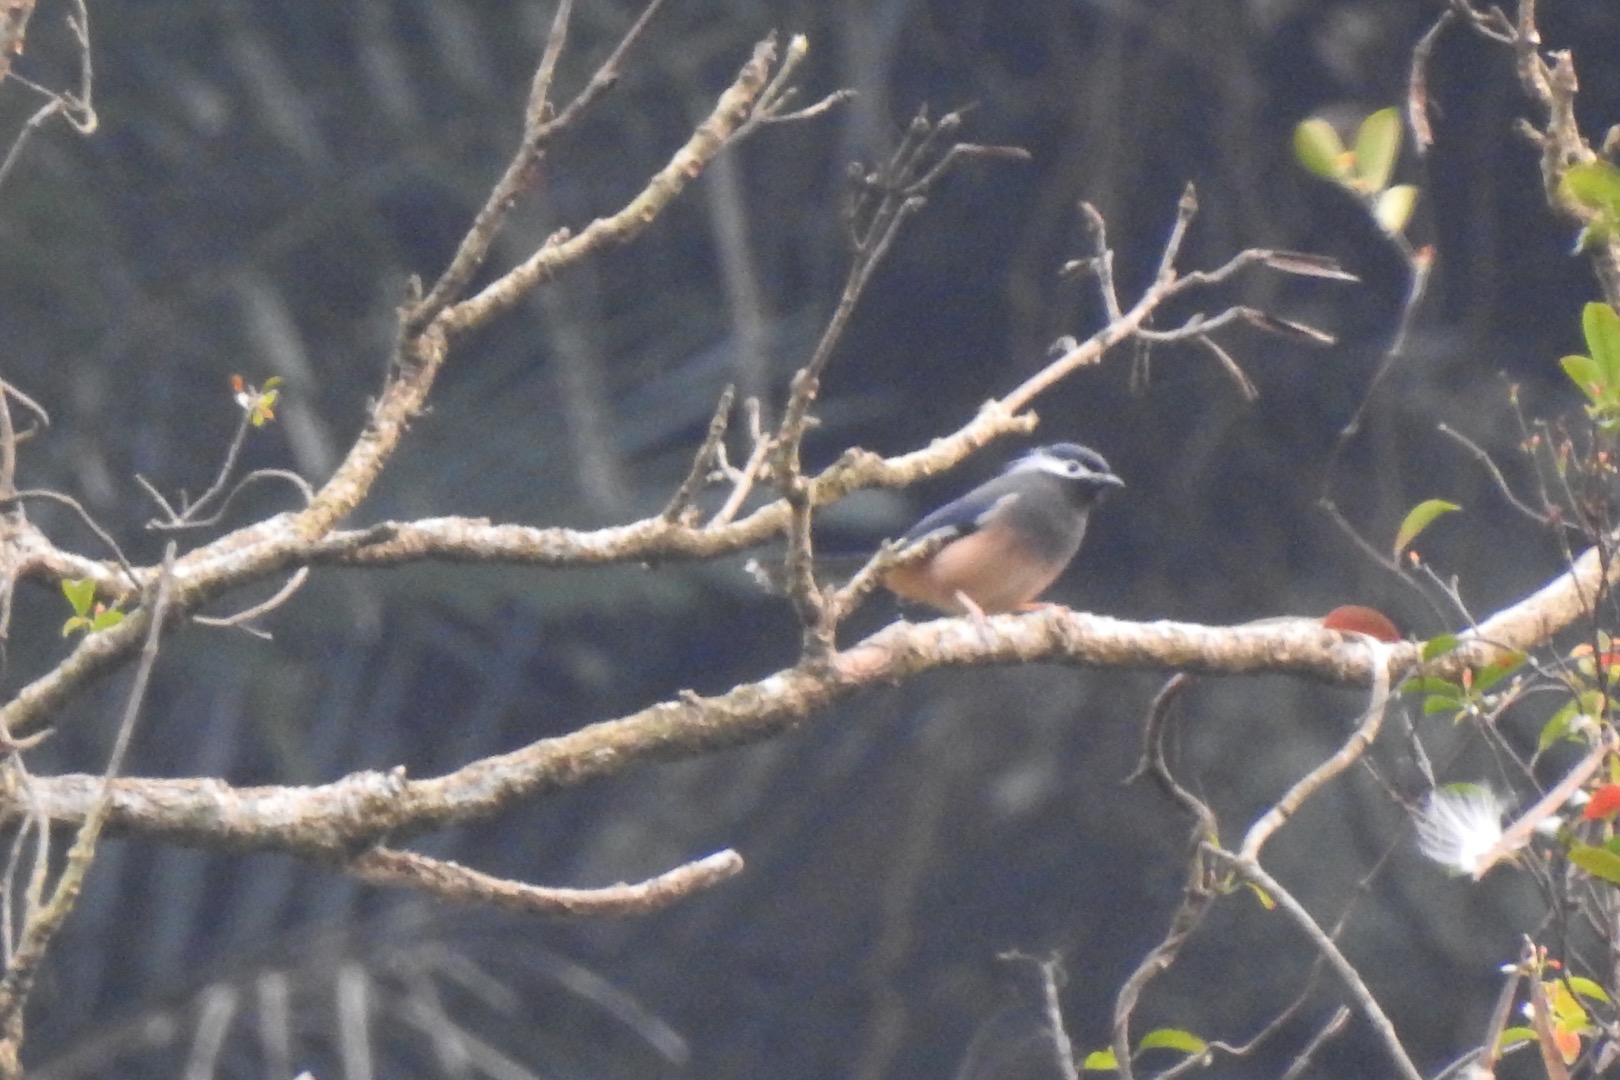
x=976, y=613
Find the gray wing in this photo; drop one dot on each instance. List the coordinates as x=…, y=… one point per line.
x=984, y=503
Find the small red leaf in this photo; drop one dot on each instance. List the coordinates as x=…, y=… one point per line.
x=1356, y=619
x=1605, y=803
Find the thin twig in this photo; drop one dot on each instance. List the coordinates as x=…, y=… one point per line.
x=1186, y=210
x=539, y=129
x=742, y=480
x=890, y=556
x=1102, y=263
x=1359, y=993
x=1329, y=1029
x=1488, y=1054
x=703, y=460
x=76, y=109
x=1518, y=834
x=101, y=534
x=1417, y=83
x=886, y=201
x=708, y=139
x=28, y=403
x=1132, y=323
x=1483, y=456
x=1052, y=1007
x=44, y=920
x=282, y=595
x=1542, y=1017
x=222, y=479
x=1417, y=283
x=774, y=99
x=1245, y=386
x=8, y=446
x=188, y=520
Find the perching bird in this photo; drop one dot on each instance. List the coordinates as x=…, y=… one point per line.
x=1009, y=538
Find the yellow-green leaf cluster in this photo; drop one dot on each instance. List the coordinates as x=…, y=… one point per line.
x=1597, y=374
x=1364, y=170
x=1593, y=187
x=88, y=616
x=1184, y=1042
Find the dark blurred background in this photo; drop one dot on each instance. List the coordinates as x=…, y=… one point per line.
x=265, y=179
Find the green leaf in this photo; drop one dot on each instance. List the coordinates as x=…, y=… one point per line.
x=1494, y=672
x=1586, y=374
x=1439, y=645
x=1558, y=727
x=1596, y=861
x=106, y=620
x=1100, y=1061
x=1172, y=1039
x=80, y=594
x=1515, y=1036
x=1378, y=144
x=272, y=382
x=1393, y=208
x=1430, y=684
x=1443, y=703
x=1594, y=185
x=1601, y=326
x=75, y=624
x=1587, y=988
x=1318, y=148
x=1420, y=517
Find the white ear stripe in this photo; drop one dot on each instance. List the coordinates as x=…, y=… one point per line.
x=1051, y=463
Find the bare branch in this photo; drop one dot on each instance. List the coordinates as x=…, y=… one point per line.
x=449, y=881
x=1346, y=756
x=367, y=807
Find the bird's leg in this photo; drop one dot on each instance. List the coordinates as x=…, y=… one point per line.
x=972, y=610
x=976, y=613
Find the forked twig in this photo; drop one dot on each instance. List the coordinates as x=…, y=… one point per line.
x=702, y=461
x=89, y=522
x=1351, y=979
x=1347, y=754
x=540, y=127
